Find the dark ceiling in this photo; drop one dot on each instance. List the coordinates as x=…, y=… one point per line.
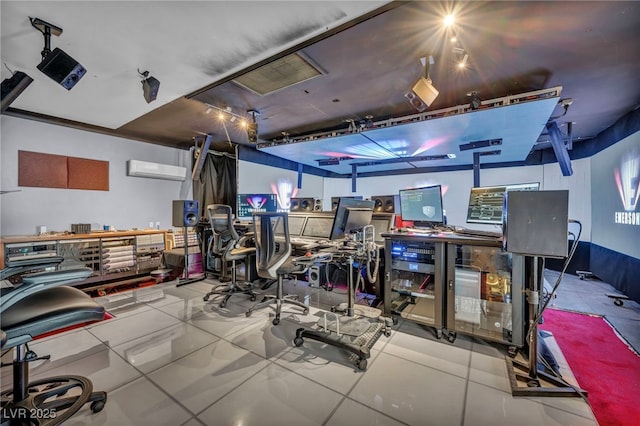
x=589, y=48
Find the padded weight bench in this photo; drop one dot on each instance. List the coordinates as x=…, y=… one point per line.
x=43, y=303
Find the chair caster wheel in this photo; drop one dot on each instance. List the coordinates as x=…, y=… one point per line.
x=97, y=406
x=618, y=302
x=275, y=321
x=298, y=341
x=206, y=298
x=252, y=298
x=223, y=304
x=362, y=364
x=451, y=337
x=248, y=313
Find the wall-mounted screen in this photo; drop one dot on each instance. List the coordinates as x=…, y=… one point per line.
x=422, y=205
x=485, y=202
x=253, y=203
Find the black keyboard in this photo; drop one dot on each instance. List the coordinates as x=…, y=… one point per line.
x=478, y=233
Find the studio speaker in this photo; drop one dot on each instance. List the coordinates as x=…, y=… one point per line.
x=317, y=204
x=12, y=87
x=384, y=203
x=185, y=213
x=536, y=223
x=334, y=203
x=252, y=132
x=316, y=275
x=150, y=87
x=62, y=68
x=302, y=204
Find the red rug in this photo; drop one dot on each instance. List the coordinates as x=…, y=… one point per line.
x=602, y=363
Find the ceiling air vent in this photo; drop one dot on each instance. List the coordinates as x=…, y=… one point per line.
x=284, y=72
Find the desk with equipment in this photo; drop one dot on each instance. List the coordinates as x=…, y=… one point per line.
x=485, y=285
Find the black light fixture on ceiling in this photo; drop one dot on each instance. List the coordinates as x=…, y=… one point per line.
x=150, y=86
x=56, y=64
x=423, y=93
x=252, y=126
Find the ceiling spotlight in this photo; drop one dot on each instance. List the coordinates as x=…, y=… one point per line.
x=463, y=62
x=423, y=93
x=449, y=20
x=150, y=86
x=56, y=64
x=252, y=127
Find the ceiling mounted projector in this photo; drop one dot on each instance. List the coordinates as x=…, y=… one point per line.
x=423, y=93
x=57, y=64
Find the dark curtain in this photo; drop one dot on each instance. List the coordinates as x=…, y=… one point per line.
x=217, y=182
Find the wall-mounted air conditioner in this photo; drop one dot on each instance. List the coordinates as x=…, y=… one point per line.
x=155, y=170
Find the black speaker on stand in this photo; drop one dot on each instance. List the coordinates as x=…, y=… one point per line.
x=185, y=215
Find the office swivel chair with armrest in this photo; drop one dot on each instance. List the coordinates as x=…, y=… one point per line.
x=41, y=304
x=273, y=259
x=227, y=244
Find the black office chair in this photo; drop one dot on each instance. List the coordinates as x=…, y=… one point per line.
x=227, y=244
x=41, y=304
x=273, y=252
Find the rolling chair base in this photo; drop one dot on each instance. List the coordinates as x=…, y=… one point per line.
x=46, y=403
x=231, y=290
x=279, y=302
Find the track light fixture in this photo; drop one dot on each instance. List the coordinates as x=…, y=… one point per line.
x=56, y=64
x=423, y=93
x=150, y=86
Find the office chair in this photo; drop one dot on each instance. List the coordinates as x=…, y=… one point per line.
x=227, y=244
x=273, y=259
x=41, y=304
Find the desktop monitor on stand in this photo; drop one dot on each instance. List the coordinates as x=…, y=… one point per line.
x=422, y=206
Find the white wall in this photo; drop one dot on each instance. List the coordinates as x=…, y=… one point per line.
x=259, y=178
x=131, y=202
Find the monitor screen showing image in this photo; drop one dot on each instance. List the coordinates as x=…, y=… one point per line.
x=422, y=205
x=485, y=203
x=253, y=203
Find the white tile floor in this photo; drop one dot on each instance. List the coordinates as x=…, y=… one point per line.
x=168, y=358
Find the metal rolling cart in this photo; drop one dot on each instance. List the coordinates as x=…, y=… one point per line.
x=354, y=328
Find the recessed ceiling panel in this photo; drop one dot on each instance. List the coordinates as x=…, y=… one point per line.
x=512, y=130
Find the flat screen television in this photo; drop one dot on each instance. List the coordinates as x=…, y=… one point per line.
x=345, y=221
x=253, y=203
x=422, y=206
x=485, y=202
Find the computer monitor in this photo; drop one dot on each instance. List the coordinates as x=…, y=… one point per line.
x=341, y=225
x=253, y=203
x=485, y=203
x=422, y=206
x=317, y=227
x=295, y=226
